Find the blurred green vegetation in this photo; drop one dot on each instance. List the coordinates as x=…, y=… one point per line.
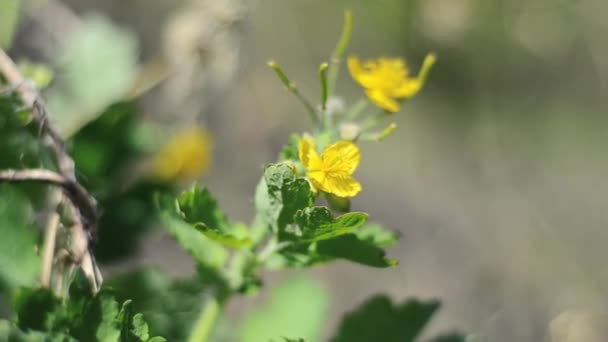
x=496, y=169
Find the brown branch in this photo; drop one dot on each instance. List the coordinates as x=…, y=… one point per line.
x=32, y=175
x=81, y=204
x=77, y=193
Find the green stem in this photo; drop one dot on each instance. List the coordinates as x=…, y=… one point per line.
x=374, y=120
x=338, y=54
x=294, y=90
x=356, y=109
x=206, y=321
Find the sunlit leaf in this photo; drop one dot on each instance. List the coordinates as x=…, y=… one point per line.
x=98, y=63
x=298, y=307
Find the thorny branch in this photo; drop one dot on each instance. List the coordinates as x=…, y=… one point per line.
x=81, y=204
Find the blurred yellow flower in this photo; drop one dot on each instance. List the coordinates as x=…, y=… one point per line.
x=332, y=171
x=186, y=156
x=388, y=80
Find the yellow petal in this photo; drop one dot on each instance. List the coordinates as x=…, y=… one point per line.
x=360, y=73
x=318, y=180
x=342, y=186
x=382, y=100
x=186, y=156
x=342, y=158
x=308, y=154
x=407, y=89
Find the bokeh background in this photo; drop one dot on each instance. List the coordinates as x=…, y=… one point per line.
x=495, y=176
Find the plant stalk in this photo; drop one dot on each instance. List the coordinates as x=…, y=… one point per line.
x=207, y=318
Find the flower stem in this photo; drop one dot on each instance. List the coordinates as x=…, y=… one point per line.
x=356, y=109
x=206, y=321
x=338, y=54
x=374, y=120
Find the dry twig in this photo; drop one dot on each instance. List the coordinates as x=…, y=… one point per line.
x=81, y=204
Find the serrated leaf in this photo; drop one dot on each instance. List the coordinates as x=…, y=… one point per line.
x=200, y=210
x=351, y=248
x=318, y=223
x=297, y=307
x=197, y=245
x=110, y=327
x=169, y=307
x=378, y=319
x=279, y=195
x=140, y=328
x=83, y=316
x=198, y=206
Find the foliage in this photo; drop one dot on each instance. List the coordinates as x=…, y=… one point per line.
x=132, y=177
x=40, y=315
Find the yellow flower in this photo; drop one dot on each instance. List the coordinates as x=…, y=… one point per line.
x=186, y=156
x=387, y=80
x=332, y=171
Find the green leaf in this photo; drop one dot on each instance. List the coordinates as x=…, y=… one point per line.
x=279, y=195
x=290, y=151
x=83, y=316
x=126, y=210
x=170, y=307
x=203, y=250
x=297, y=307
x=33, y=307
x=378, y=319
x=98, y=63
x=19, y=239
x=200, y=210
x=198, y=205
x=9, y=17
x=351, y=248
x=157, y=339
x=376, y=235
x=140, y=328
x=10, y=332
x=318, y=223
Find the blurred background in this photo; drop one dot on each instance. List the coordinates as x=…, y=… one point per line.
x=495, y=176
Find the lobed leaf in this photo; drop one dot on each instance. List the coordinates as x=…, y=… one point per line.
x=82, y=317
x=200, y=210
x=318, y=223
x=351, y=248
x=279, y=195
x=378, y=319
